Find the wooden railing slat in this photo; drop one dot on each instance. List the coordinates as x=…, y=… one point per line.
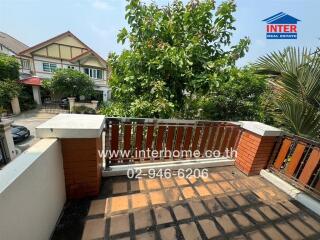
x=310, y=166
x=204, y=139
x=196, y=139
x=170, y=137
x=282, y=153
x=295, y=159
x=180, y=131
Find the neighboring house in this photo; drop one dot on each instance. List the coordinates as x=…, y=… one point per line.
x=11, y=46
x=65, y=51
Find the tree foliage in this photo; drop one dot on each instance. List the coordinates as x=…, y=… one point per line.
x=70, y=83
x=9, y=75
x=178, y=54
x=295, y=75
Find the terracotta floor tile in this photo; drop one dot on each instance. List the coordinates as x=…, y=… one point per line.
x=181, y=181
x=241, y=219
x=119, y=203
x=167, y=182
x=97, y=207
x=273, y=233
x=197, y=207
x=94, y=229
x=139, y=200
x=190, y=231
x=206, y=179
x=256, y=235
x=227, y=175
x=169, y=233
x=188, y=192
x=209, y=228
x=146, y=236
x=215, y=189
x=289, y=231
x=226, y=223
x=269, y=213
x=162, y=215
x=302, y=227
x=181, y=212
x=119, y=187
x=157, y=197
x=202, y=190
x=240, y=200
x=119, y=224
x=255, y=215
x=216, y=176
x=213, y=205
x=173, y=194
x=227, y=187
x=137, y=185
x=193, y=180
x=153, y=184
x=142, y=219
x=226, y=202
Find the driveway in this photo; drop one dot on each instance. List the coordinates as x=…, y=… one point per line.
x=31, y=119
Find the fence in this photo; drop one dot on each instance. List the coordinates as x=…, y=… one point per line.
x=298, y=160
x=133, y=135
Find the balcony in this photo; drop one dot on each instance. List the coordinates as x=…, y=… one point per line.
x=267, y=190
x=225, y=205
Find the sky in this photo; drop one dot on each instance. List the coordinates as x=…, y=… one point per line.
x=97, y=22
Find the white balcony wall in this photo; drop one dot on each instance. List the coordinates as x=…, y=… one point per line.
x=32, y=192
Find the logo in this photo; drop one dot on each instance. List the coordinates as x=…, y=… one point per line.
x=281, y=26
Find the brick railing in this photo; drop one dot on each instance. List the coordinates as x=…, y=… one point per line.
x=298, y=160
x=129, y=134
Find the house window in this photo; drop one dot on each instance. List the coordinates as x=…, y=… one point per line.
x=25, y=64
x=93, y=73
x=49, y=67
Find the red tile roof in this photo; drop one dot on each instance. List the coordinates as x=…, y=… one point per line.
x=33, y=81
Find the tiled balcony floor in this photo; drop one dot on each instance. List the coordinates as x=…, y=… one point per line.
x=226, y=205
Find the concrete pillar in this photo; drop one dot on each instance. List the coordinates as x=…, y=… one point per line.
x=80, y=137
x=15, y=106
x=94, y=104
x=36, y=94
x=5, y=132
x=255, y=146
x=72, y=101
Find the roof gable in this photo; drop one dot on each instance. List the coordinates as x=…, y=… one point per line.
x=65, y=39
x=11, y=43
x=281, y=18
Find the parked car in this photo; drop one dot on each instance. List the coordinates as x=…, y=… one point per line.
x=19, y=133
x=64, y=103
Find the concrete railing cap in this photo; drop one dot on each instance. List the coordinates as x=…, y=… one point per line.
x=72, y=126
x=260, y=128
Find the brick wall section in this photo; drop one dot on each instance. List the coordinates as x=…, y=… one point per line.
x=254, y=152
x=82, y=166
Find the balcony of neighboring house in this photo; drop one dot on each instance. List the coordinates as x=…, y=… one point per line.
x=92, y=177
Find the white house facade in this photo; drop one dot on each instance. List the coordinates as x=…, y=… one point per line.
x=65, y=51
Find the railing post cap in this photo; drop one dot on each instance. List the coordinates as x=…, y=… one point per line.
x=260, y=129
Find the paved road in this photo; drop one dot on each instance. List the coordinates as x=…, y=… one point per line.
x=31, y=119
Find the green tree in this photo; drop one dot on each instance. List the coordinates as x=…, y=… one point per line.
x=9, y=74
x=237, y=95
x=70, y=83
x=177, y=52
x=295, y=77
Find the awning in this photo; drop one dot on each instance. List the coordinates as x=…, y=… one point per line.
x=33, y=81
